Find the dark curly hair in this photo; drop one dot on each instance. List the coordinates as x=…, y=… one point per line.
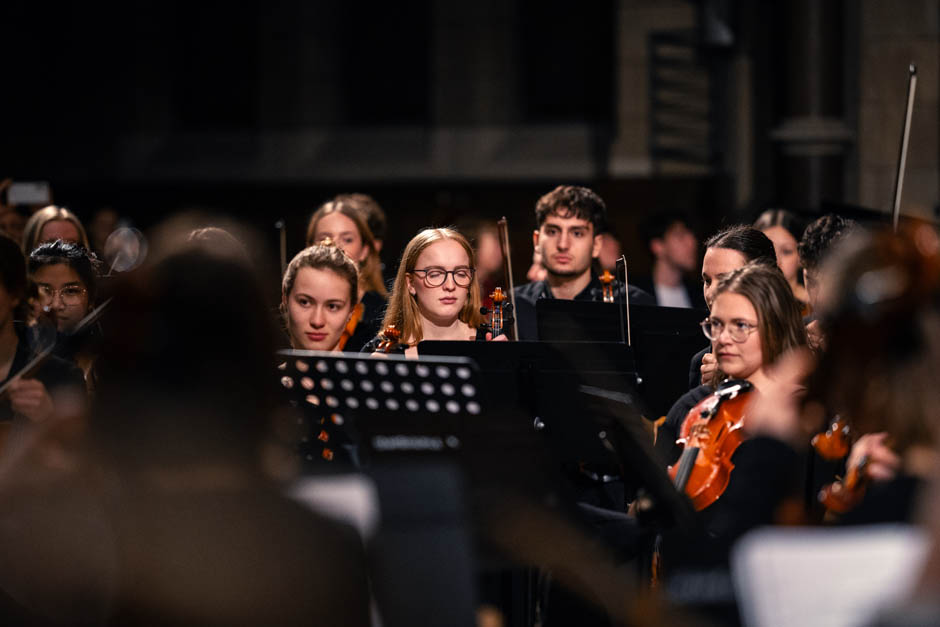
x=75, y=256
x=569, y=201
x=754, y=245
x=819, y=238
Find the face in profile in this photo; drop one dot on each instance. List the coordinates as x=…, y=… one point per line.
x=440, y=281
x=318, y=308
x=737, y=346
x=344, y=233
x=62, y=294
x=59, y=229
x=567, y=245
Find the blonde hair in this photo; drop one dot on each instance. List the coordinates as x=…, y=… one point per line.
x=370, y=270
x=44, y=216
x=402, y=308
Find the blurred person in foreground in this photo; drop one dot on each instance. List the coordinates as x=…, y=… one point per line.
x=171, y=520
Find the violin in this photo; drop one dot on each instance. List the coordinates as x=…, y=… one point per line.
x=391, y=339
x=843, y=495
x=351, y=325
x=607, y=286
x=833, y=443
x=710, y=434
x=500, y=314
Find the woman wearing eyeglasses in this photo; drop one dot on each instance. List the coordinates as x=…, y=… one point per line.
x=435, y=296
x=65, y=278
x=754, y=319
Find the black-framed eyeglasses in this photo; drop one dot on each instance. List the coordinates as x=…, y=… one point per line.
x=739, y=330
x=436, y=277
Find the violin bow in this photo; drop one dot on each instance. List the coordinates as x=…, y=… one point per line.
x=625, y=333
x=503, y=227
x=905, y=139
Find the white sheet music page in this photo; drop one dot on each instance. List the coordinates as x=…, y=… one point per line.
x=802, y=577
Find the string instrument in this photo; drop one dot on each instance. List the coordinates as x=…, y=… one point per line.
x=607, y=287
x=710, y=434
x=351, y=325
x=841, y=496
x=391, y=339
x=833, y=443
x=499, y=314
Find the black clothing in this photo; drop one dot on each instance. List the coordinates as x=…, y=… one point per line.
x=370, y=324
x=53, y=373
x=666, y=434
x=695, y=367
x=525, y=297
x=693, y=289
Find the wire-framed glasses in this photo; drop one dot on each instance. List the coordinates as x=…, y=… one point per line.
x=70, y=294
x=737, y=329
x=435, y=277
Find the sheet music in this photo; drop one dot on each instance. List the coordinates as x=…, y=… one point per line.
x=832, y=577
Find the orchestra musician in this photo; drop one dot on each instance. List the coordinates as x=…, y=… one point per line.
x=785, y=230
x=569, y=221
x=725, y=251
x=66, y=281
x=754, y=321
x=319, y=291
x=346, y=226
x=52, y=223
x=30, y=396
x=435, y=295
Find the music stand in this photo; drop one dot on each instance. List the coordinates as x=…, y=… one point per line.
x=409, y=413
x=664, y=340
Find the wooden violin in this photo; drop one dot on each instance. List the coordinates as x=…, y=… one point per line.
x=843, y=495
x=607, y=286
x=391, y=339
x=833, y=443
x=499, y=315
x=710, y=434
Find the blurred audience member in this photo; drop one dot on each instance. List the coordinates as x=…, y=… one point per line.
x=675, y=258
x=52, y=223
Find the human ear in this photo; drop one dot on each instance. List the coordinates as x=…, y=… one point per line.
x=598, y=243
x=411, y=287
x=535, y=239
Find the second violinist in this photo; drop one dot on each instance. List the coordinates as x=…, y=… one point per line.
x=436, y=295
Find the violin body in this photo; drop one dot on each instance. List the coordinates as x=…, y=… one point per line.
x=710, y=434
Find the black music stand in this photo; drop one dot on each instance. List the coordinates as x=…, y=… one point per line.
x=408, y=413
x=664, y=339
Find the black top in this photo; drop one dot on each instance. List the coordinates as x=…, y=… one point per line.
x=526, y=295
x=53, y=373
x=369, y=326
x=692, y=287
x=695, y=367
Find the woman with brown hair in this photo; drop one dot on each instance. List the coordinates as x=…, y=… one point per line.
x=347, y=228
x=319, y=294
x=436, y=295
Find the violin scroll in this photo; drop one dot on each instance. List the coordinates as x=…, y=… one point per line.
x=607, y=289
x=391, y=339
x=499, y=315
x=833, y=443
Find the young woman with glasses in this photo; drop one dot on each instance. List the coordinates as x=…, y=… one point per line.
x=435, y=296
x=754, y=319
x=65, y=277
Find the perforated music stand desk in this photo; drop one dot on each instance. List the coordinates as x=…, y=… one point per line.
x=664, y=340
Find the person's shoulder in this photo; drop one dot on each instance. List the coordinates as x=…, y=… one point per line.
x=685, y=403
x=640, y=296
x=529, y=291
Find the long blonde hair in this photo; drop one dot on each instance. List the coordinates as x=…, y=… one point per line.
x=44, y=216
x=402, y=308
x=370, y=270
